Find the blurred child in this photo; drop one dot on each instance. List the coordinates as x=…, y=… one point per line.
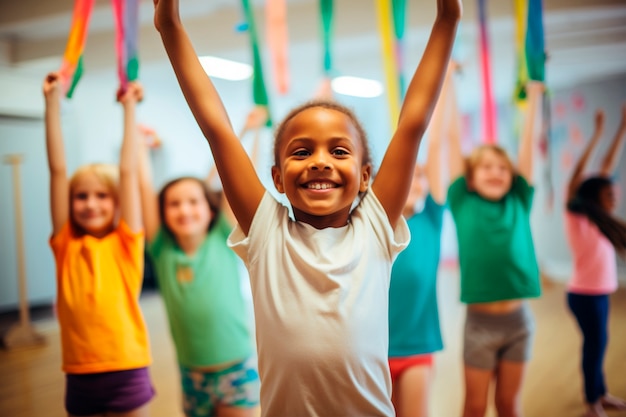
x=491, y=202
x=187, y=226
x=414, y=332
x=594, y=236
x=97, y=241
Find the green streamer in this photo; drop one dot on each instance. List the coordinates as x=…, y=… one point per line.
x=326, y=11
x=399, y=24
x=259, y=90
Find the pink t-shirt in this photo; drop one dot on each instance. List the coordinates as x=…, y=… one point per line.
x=595, y=264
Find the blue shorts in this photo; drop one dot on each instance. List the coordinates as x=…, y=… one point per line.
x=118, y=392
x=236, y=386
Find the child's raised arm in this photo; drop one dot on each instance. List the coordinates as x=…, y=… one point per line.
x=129, y=198
x=59, y=184
x=579, y=168
x=393, y=180
x=609, y=162
x=149, y=203
x=456, y=161
x=242, y=186
x=437, y=131
x=530, y=130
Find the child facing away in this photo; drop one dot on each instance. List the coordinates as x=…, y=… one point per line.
x=414, y=330
x=594, y=236
x=491, y=202
x=319, y=281
x=187, y=226
x=99, y=269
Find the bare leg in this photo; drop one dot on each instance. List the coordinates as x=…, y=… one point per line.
x=224, y=411
x=509, y=388
x=411, y=392
x=477, y=383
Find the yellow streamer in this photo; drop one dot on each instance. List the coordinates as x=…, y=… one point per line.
x=383, y=8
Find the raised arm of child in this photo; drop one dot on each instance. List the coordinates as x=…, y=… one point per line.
x=612, y=156
x=240, y=182
x=532, y=121
x=59, y=183
x=439, y=129
x=393, y=180
x=456, y=162
x=129, y=198
x=149, y=203
x=579, y=168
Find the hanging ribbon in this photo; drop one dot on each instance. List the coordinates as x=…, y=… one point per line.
x=399, y=23
x=521, y=16
x=72, y=65
x=259, y=91
x=277, y=39
x=326, y=13
x=535, y=44
x=126, y=16
x=383, y=8
x=324, y=90
x=489, y=108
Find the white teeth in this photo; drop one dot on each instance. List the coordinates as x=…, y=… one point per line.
x=318, y=186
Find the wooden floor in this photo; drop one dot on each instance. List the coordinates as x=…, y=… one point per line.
x=32, y=385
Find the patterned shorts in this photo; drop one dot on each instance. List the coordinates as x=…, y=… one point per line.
x=235, y=386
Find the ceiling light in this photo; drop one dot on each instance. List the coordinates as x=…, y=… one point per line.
x=357, y=87
x=225, y=69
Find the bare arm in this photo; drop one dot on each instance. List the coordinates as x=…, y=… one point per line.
x=579, y=169
x=434, y=171
x=149, y=204
x=530, y=130
x=59, y=184
x=392, y=183
x=455, y=154
x=242, y=186
x=609, y=162
x=130, y=201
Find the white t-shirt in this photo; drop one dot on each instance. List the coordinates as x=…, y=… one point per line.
x=321, y=306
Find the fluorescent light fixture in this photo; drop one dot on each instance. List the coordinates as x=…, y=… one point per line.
x=357, y=87
x=225, y=69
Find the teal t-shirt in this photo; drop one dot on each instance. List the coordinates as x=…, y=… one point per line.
x=496, y=250
x=413, y=313
x=203, y=298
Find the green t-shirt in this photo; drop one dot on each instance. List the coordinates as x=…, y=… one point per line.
x=202, y=293
x=496, y=251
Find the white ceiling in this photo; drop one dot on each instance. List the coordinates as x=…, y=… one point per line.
x=586, y=40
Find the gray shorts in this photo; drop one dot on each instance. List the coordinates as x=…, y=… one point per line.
x=490, y=338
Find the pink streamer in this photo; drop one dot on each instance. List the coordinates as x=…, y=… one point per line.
x=277, y=40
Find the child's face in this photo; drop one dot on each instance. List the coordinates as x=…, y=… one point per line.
x=93, y=205
x=419, y=188
x=320, y=167
x=187, y=212
x=492, y=176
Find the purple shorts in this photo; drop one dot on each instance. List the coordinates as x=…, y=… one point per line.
x=119, y=392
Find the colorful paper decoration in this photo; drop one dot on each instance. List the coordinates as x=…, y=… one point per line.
x=488, y=107
x=259, y=90
x=399, y=23
x=126, y=16
x=385, y=22
x=326, y=14
x=72, y=65
x=277, y=40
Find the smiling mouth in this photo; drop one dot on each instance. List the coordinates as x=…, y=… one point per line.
x=320, y=185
